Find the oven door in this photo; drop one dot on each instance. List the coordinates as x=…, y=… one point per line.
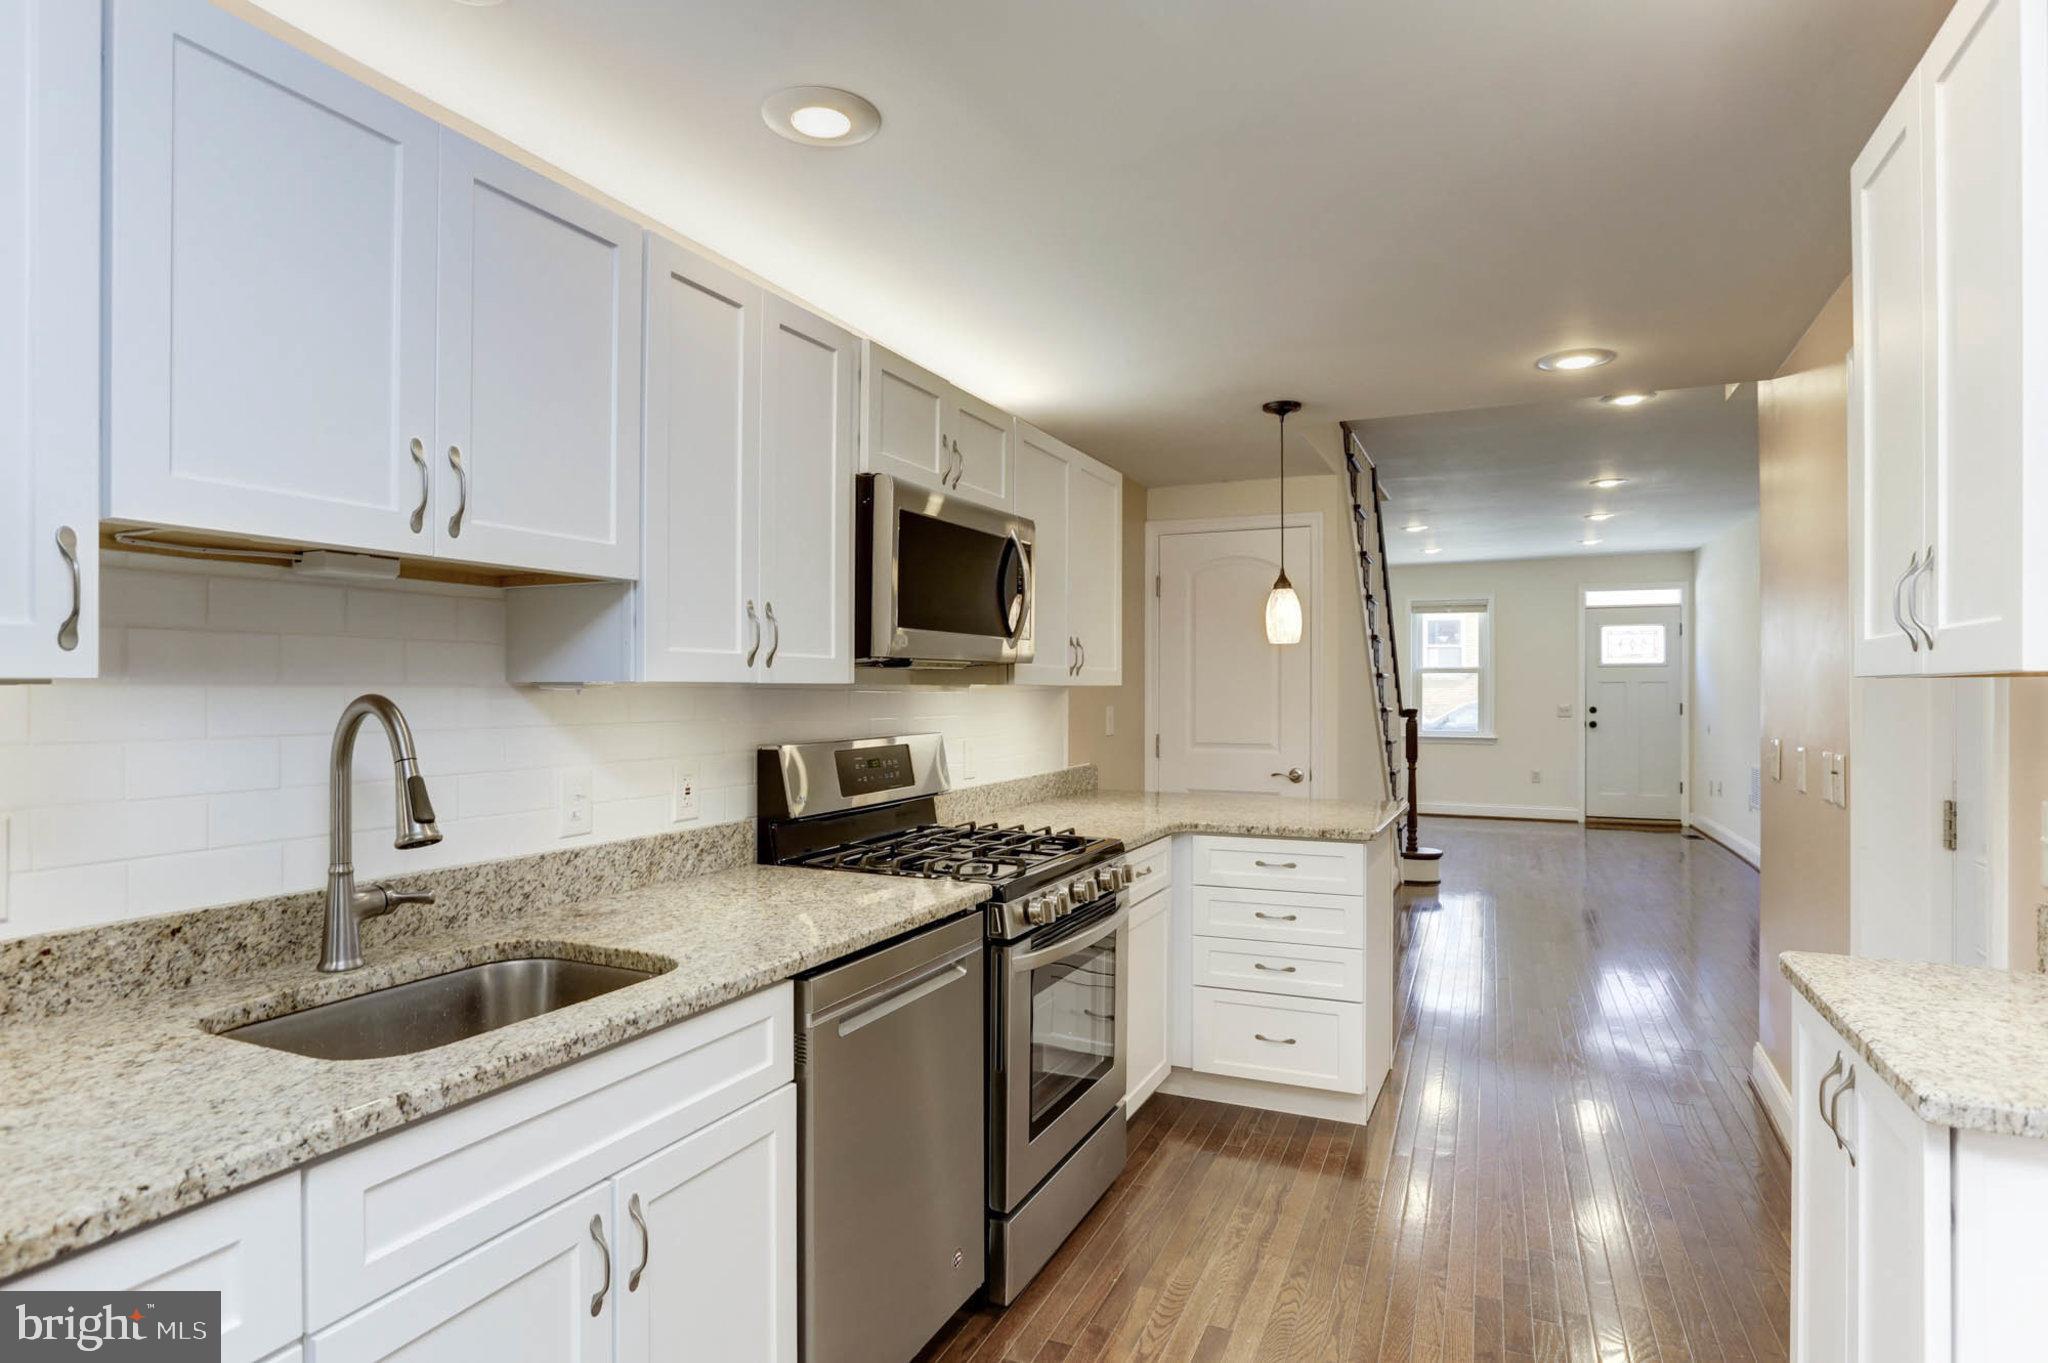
x=941, y=580
x=1060, y=1044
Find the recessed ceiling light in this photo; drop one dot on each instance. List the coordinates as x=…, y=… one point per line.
x=1415, y=527
x=1590, y=541
x=821, y=116
x=1565, y=361
x=1608, y=482
x=1431, y=549
x=1599, y=515
x=480, y=4
x=1627, y=399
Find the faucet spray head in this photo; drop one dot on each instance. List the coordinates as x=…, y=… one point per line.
x=416, y=827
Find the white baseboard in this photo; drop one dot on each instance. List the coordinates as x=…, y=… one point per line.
x=1771, y=1091
x=1299, y=1102
x=1730, y=839
x=1547, y=813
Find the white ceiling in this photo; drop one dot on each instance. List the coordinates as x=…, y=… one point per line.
x=1133, y=222
x=1514, y=482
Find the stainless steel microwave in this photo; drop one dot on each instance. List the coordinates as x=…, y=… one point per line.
x=940, y=582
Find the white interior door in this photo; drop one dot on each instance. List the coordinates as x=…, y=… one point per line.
x=1235, y=712
x=1635, y=663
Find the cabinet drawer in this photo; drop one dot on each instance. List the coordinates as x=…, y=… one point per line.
x=245, y=1247
x=1151, y=869
x=1312, y=1043
x=1331, y=920
x=391, y=1211
x=1281, y=968
x=1268, y=864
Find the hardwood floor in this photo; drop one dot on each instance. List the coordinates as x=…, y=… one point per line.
x=1567, y=1164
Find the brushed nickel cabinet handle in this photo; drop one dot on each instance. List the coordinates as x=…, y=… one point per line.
x=67, y=545
x=1913, y=599
x=755, y=621
x=597, y=1234
x=1275, y=1040
x=646, y=1242
x=419, y=513
x=1273, y=969
x=1912, y=571
x=774, y=644
x=462, y=483
x=1274, y=917
x=1835, y=1113
x=1277, y=865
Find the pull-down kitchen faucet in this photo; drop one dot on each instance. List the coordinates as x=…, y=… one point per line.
x=347, y=906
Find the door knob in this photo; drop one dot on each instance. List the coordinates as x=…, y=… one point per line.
x=1294, y=774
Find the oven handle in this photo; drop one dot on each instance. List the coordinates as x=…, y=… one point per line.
x=1025, y=962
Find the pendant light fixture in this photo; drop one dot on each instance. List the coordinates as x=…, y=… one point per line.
x=1283, y=606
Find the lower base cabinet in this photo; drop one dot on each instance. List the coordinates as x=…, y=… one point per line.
x=1151, y=997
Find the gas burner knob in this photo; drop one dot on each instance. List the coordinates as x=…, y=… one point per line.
x=1105, y=880
x=1082, y=888
x=1039, y=910
x=1062, y=903
x=1124, y=874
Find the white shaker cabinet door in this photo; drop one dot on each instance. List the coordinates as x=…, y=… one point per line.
x=1043, y=474
x=707, y=1242
x=545, y=1291
x=270, y=288
x=809, y=426
x=1887, y=526
x=538, y=453
x=49, y=339
x=982, y=438
x=906, y=423
x=700, y=607
x=1095, y=555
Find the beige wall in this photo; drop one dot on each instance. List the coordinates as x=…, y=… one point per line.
x=1350, y=728
x=1803, y=444
x=2027, y=792
x=1119, y=758
x=1726, y=679
x=1536, y=670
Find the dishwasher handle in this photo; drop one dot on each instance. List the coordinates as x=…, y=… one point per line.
x=871, y=1006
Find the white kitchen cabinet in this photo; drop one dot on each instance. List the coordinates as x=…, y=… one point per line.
x=1949, y=466
x=1151, y=998
x=245, y=1246
x=713, y=1272
x=752, y=421
x=50, y=339
x=538, y=404
x=920, y=428
x=270, y=289
x=333, y=322
x=1075, y=506
x=547, y=1289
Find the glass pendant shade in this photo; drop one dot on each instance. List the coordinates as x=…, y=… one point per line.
x=1283, y=613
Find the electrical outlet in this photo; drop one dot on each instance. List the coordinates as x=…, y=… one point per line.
x=1109, y=721
x=573, y=813
x=1535, y=778
x=1799, y=769
x=685, y=808
x=1841, y=780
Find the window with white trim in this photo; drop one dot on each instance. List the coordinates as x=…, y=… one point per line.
x=1451, y=653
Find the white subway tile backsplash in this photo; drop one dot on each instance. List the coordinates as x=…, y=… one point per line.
x=200, y=775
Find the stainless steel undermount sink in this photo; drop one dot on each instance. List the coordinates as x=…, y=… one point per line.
x=423, y=1014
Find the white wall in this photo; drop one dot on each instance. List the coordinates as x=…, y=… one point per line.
x=1536, y=671
x=1727, y=695
x=193, y=772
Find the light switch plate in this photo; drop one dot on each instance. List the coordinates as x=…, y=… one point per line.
x=1564, y=712
x=1799, y=768
x=1109, y=721
x=1776, y=759
x=1842, y=780
x=686, y=806
x=573, y=813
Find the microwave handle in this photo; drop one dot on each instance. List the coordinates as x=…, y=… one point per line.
x=1016, y=547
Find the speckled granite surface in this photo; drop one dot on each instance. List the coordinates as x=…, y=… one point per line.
x=1139, y=816
x=1964, y=1046
x=117, y=1114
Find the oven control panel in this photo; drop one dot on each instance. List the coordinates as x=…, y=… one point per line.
x=1057, y=901
x=865, y=771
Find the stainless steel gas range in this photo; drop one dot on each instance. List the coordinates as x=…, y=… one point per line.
x=1056, y=971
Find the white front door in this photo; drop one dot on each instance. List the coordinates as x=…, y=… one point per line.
x=1235, y=712
x=1634, y=663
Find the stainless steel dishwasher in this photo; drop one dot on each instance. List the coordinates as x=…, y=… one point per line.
x=892, y=1100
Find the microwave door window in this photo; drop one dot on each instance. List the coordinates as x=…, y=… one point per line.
x=1073, y=1030
x=949, y=578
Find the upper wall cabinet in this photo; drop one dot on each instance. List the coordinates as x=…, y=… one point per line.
x=1948, y=463
x=751, y=428
x=285, y=244
x=922, y=429
x=49, y=339
x=1076, y=506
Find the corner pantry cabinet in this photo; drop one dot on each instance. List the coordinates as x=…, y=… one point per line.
x=1076, y=506
x=334, y=322
x=1949, y=407
x=49, y=339
x=921, y=428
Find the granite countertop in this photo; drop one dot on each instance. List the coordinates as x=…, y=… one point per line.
x=1138, y=817
x=120, y=1112
x=1965, y=1046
